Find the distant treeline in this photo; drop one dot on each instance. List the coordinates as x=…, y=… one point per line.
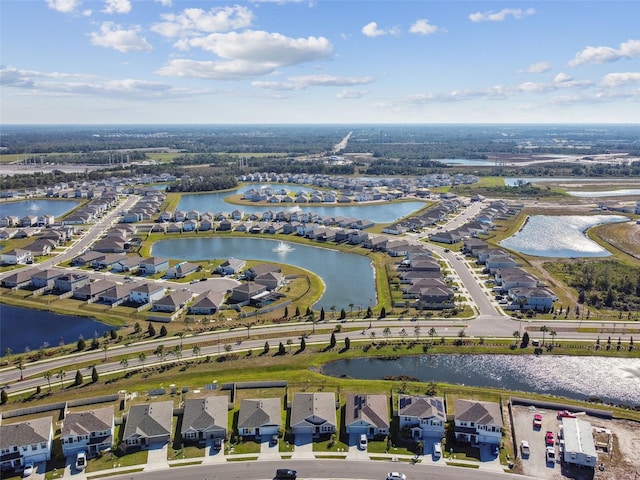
x=203, y=184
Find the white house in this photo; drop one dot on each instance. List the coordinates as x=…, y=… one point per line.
x=424, y=416
x=16, y=257
x=25, y=442
x=579, y=447
x=90, y=431
x=539, y=298
x=478, y=422
x=147, y=293
x=367, y=415
x=259, y=417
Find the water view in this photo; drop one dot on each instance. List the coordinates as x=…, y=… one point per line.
x=348, y=278
x=23, y=208
x=23, y=329
x=623, y=192
x=612, y=380
x=378, y=213
x=559, y=236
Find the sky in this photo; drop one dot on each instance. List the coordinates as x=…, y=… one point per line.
x=319, y=61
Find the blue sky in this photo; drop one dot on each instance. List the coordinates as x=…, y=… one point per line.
x=322, y=61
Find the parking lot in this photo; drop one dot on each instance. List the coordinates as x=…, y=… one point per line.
x=620, y=462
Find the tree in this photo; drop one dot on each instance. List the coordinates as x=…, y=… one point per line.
x=544, y=329
x=47, y=375
x=113, y=334
x=416, y=332
x=163, y=331
x=137, y=328
x=105, y=347
x=61, y=374
x=332, y=340
x=248, y=325
x=343, y=314
x=196, y=350
x=333, y=309
x=553, y=334
x=78, y=380
x=8, y=352
x=151, y=330
x=432, y=333
x=516, y=336
x=94, y=375
x=177, y=351
x=142, y=357
x=525, y=340
x=403, y=333
x=20, y=366
x=303, y=345
x=369, y=312
x=297, y=311
x=125, y=363
x=281, y=350
x=383, y=313
x=95, y=343
x=286, y=312
x=347, y=343
x=387, y=333
x=180, y=335
x=266, y=348
x=322, y=314
x=351, y=305
x=81, y=345
x=4, y=396
x=289, y=343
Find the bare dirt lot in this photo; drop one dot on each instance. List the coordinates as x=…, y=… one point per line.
x=622, y=462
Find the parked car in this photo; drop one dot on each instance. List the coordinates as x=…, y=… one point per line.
x=362, y=445
x=286, y=473
x=396, y=476
x=537, y=421
x=524, y=448
x=81, y=460
x=28, y=470
x=548, y=438
x=437, y=450
x=217, y=443
x=551, y=455
x=274, y=440
x=565, y=414
x=495, y=450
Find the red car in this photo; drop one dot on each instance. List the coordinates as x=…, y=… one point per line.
x=565, y=414
x=548, y=438
x=537, y=421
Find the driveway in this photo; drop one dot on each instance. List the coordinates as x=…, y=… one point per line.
x=157, y=458
x=269, y=451
x=213, y=455
x=303, y=447
x=354, y=452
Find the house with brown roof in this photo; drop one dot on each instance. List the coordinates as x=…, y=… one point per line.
x=423, y=416
x=367, y=415
x=478, y=422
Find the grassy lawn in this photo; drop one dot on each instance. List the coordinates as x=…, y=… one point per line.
x=332, y=444
x=244, y=447
x=115, y=459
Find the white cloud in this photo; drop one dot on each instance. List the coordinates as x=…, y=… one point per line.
x=165, y=3
x=117, y=6
x=352, y=94
x=628, y=49
x=618, y=79
x=193, y=21
x=303, y=82
x=116, y=37
x=214, y=70
x=562, y=77
x=423, y=27
x=64, y=6
x=371, y=30
x=540, y=67
x=263, y=47
x=501, y=15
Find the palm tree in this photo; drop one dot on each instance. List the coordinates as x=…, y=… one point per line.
x=333, y=310
x=516, y=336
x=105, y=347
x=20, y=366
x=125, y=363
x=403, y=333
x=432, y=333
x=289, y=343
x=387, y=333
x=180, y=334
x=177, y=351
x=196, y=350
x=416, y=332
x=553, y=334
x=47, y=375
x=61, y=374
x=544, y=329
x=142, y=357
x=351, y=305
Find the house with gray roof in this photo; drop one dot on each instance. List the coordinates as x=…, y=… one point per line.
x=172, y=302
x=182, y=269
x=313, y=413
x=259, y=417
x=90, y=431
x=423, y=416
x=245, y=291
x=231, y=266
x=25, y=442
x=19, y=279
x=207, y=303
x=45, y=278
x=205, y=418
x=478, y=422
x=153, y=265
x=367, y=415
x=91, y=291
x=148, y=425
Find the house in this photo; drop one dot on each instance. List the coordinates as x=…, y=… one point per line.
x=579, y=446
x=271, y=280
x=478, y=422
x=259, y=417
x=182, y=269
x=539, y=298
x=424, y=416
x=205, y=418
x=244, y=292
x=45, y=278
x=127, y=264
x=117, y=294
x=207, y=303
x=90, y=431
x=148, y=425
x=172, y=302
x=146, y=293
x=231, y=266
x=313, y=413
x=70, y=282
x=92, y=290
x=153, y=265
x=260, y=269
x=19, y=279
x=16, y=256
x=25, y=442
x=367, y=415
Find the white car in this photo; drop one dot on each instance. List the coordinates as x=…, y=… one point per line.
x=437, y=450
x=28, y=470
x=396, y=476
x=551, y=455
x=81, y=460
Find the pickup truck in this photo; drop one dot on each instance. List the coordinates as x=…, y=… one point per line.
x=524, y=448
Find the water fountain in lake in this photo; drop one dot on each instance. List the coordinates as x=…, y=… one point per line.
x=283, y=248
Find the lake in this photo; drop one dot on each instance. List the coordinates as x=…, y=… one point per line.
x=379, y=213
x=348, y=278
x=560, y=236
x=23, y=329
x=23, y=208
x=613, y=380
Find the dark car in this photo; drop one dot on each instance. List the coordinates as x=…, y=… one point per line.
x=285, y=473
x=217, y=443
